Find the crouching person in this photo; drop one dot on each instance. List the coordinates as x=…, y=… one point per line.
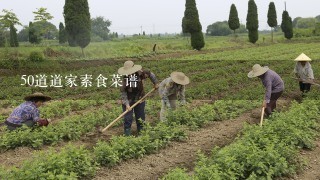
x=28, y=113
x=170, y=90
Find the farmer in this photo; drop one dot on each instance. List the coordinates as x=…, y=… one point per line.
x=273, y=84
x=28, y=113
x=303, y=71
x=132, y=90
x=170, y=89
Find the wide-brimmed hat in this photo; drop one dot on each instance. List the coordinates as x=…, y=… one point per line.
x=303, y=57
x=257, y=70
x=37, y=95
x=129, y=68
x=180, y=78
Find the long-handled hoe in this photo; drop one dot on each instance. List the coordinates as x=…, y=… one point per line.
x=125, y=112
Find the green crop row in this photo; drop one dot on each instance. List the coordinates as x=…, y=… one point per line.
x=119, y=148
x=262, y=153
x=69, y=128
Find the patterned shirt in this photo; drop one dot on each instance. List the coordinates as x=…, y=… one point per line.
x=167, y=87
x=304, y=72
x=24, y=112
x=134, y=93
x=273, y=84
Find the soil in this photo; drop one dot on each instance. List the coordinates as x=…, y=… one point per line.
x=183, y=154
x=179, y=154
x=311, y=170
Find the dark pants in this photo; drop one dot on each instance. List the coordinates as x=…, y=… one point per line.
x=12, y=127
x=138, y=113
x=304, y=87
x=273, y=103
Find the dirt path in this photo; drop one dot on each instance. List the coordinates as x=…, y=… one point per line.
x=311, y=171
x=181, y=154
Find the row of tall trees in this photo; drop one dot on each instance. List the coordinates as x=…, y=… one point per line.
x=252, y=24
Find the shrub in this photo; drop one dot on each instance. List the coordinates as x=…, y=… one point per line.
x=36, y=56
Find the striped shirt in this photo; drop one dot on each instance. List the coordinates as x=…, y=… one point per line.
x=24, y=112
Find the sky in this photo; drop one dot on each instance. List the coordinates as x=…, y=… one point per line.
x=160, y=16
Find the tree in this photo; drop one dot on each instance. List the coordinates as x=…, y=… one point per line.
x=13, y=36
x=62, y=34
x=272, y=18
x=233, y=22
x=286, y=25
x=295, y=21
x=190, y=21
x=318, y=18
x=252, y=22
x=306, y=23
x=100, y=27
x=191, y=24
x=33, y=37
x=77, y=22
x=42, y=16
x=9, y=18
x=45, y=29
x=23, y=35
x=222, y=29
x=7, y=21
x=197, y=40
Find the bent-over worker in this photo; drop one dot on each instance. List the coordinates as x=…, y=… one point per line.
x=170, y=90
x=273, y=84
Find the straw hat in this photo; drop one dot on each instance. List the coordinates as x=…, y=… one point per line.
x=303, y=57
x=180, y=78
x=129, y=68
x=37, y=95
x=257, y=70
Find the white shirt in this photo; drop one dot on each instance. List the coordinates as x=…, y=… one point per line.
x=305, y=72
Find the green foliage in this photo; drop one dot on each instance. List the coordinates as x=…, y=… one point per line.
x=23, y=35
x=77, y=22
x=286, y=25
x=45, y=29
x=36, y=56
x=70, y=163
x=234, y=22
x=9, y=18
x=253, y=36
x=267, y=152
x=197, y=40
x=34, y=38
x=272, y=15
x=190, y=21
x=122, y=148
x=252, y=21
x=100, y=27
x=13, y=36
x=305, y=23
x=42, y=15
x=177, y=174
x=63, y=36
x=222, y=29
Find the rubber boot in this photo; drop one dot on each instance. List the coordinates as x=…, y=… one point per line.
x=127, y=132
x=139, y=129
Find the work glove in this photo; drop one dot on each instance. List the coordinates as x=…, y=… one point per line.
x=43, y=122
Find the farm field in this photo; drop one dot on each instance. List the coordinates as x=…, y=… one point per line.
x=223, y=110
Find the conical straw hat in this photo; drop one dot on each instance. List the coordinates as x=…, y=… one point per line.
x=39, y=95
x=303, y=57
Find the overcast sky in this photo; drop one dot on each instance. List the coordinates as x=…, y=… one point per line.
x=160, y=16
